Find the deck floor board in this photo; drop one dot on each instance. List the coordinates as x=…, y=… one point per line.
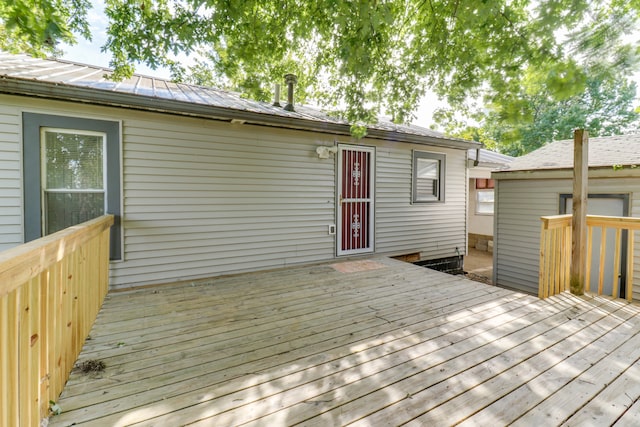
x=374, y=342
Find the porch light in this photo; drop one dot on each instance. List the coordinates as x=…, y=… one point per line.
x=323, y=151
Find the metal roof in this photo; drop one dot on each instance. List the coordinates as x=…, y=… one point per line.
x=59, y=79
x=604, y=151
x=490, y=157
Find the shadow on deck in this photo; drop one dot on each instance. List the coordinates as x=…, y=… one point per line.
x=371, y=342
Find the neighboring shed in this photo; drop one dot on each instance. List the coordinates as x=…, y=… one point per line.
x=540, y=184
x=481, y=196
x=204, y=182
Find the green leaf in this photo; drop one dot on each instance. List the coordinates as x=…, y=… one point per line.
x=54, y=408
x=360, y=57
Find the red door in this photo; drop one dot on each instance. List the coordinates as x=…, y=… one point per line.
x=355, y=199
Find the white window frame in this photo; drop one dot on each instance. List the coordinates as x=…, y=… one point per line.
x=479, y=203
x=441, y=162
x=43, y=168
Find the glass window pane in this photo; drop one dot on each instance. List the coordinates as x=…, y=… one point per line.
x=427, y=189
x=484, y=202
x=73, y=161
x=427, y=168
x=63, y=210
x=485, y=196
x=485, y=208
x=427, y=179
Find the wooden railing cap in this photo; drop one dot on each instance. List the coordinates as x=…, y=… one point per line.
x=554, y=221
x=19, y=264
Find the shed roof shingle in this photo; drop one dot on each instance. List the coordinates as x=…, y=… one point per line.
x=603, y=152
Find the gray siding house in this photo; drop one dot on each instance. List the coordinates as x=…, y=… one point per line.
x=540, y=184
x=205, y=183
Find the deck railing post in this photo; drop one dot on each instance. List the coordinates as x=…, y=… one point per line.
x=579, y=219
x=630, y=248
x=543, y=273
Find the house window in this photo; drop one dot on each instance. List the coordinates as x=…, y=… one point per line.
x=428, y=177
x=484, y=202
x=73, y=178
x=71, y=174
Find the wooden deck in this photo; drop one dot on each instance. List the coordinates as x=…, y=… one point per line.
x=371, y=343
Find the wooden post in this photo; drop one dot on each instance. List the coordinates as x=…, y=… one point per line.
x=579, y=220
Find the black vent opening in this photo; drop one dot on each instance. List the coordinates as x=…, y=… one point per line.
x=450, y=265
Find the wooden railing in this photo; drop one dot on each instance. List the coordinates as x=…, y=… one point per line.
x=50, y=292
x=555, y=253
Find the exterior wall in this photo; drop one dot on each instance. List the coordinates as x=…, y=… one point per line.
x=203, y=198
x=478, y=223
x=10, y=178
x=435, y=230
x=519, y=206
x=478, y=171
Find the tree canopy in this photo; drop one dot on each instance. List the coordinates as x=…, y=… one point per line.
x=363, y=57
x=36, y=27
x=537, y=115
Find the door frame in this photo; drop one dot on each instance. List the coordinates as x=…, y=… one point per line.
x=339, y=199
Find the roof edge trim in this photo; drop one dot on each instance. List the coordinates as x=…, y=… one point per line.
x=564, y=173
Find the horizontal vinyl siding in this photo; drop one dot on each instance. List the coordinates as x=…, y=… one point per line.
x=10, y=177
x=635, y=212
x=213, y=198
x=520, y=205
x=204, y=198
x=433, y=229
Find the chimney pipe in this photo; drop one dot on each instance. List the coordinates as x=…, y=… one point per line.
x=290, y=80
x=276, y=95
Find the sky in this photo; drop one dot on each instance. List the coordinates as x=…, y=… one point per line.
x=89, y=52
